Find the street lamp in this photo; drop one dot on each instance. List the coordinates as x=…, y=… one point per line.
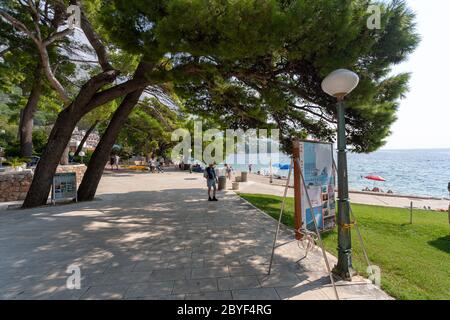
x=338, y=84
x=82, y=154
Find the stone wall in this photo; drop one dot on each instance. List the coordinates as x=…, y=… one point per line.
x=14, y=185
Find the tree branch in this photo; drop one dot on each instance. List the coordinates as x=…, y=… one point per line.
x=36, y=18
x=50, y=75
x=18, y=25
x=306, y=109
x=94, y=39
x=115, y=92
x=57, y=36
x=45, y=60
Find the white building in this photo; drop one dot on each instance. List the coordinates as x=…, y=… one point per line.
x=91, y=142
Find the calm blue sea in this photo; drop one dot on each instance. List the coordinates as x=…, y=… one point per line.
x=408, y=172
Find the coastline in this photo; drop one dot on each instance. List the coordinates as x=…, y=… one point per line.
x=282, y=182
x=259, y=184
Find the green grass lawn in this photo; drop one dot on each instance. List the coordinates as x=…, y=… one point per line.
x=414, y=259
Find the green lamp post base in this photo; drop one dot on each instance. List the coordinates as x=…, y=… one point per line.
x=343, y=269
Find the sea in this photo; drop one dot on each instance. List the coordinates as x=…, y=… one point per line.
x=423, y=172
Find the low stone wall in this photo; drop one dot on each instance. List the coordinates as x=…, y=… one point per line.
x=14, y=185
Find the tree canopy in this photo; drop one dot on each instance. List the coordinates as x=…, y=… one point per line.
x=251, y=62
x=240, y=64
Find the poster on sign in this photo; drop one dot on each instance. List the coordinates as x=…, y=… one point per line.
x=64, y=186
x=316, y=164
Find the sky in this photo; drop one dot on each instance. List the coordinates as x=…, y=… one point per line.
x=424, y=115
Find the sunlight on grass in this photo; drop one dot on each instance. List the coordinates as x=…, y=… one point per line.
x=414, y=259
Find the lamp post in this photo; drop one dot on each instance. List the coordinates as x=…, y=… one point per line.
x=82, y=154
x=338, y=84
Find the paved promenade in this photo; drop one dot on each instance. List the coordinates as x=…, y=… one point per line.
x=154, y=236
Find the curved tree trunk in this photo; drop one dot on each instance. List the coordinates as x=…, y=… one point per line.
x=27, y=116
x=59, y=138
x=99, y=159
x=86, y=136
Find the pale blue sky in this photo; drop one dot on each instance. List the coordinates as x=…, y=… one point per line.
x=424, y=115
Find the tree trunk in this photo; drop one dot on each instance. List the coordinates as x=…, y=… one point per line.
x=43, y=175
x=86, y=136
x=99, y=159
x=27, y=116
x=60, y=137
x=64, y=161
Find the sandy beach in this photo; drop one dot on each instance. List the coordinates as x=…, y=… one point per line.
x=259, y=184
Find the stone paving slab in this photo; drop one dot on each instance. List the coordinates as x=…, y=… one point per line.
x=256, y=294
x=157, y=237
x=219, y=295
x=195, y=286
x=240, y=282
x=149, y=289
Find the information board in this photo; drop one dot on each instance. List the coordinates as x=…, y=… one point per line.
x=316, y=164
x=64, y=186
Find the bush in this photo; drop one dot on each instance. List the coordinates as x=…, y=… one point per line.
x=40, y=138
x=12, y=150
x=17, y=162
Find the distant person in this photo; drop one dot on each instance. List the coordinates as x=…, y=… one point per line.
x=228, y=171
x=111, y=161
x=211, y=180
x=250, y=168
x=116, y=161
x=159, y=167
x=152, y=165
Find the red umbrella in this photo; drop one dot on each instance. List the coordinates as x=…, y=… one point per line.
x=375, y=178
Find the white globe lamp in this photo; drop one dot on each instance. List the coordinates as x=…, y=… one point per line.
x=340, y=83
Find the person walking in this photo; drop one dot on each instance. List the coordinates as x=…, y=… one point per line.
x=211, y=180
x=152, y=165
x=159, y=166
x=116, y=161
x=111, y=161
x=228, y=170
x=250, y=168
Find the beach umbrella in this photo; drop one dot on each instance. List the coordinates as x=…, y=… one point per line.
x=375, y=178
x=284, y=166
